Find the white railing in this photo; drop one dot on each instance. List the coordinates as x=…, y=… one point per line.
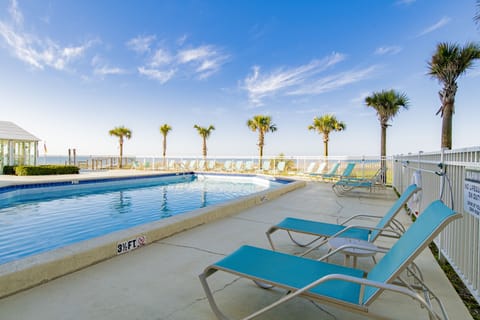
x=292, y=165
x=459, y=243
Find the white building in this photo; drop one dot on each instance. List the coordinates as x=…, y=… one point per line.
x=17, y=146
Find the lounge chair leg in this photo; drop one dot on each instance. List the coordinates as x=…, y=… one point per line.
x=208, y=293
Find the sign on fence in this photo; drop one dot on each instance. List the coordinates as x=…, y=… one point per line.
x=471, y=203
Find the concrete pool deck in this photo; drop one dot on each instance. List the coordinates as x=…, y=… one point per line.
x=160, y=281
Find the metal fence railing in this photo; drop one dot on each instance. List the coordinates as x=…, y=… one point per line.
x=459, y=243
x=365, y=166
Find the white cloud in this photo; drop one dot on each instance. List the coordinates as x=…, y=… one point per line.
x=161, y=65
x=141, y=44
x=35, y=51
x=15, y=13
x=206, y=59
x=161, y=57
x=105, y=70
x=182, y=39
x=388, y=50
x=442, y=22
x=159, y=75
x=260, y=86
x=335, y=81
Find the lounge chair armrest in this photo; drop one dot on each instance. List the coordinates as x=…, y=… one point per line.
x=361, y=215
x=383, y=231
x=353, y=246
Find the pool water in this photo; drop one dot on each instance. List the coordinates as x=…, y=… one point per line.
x=55, y=218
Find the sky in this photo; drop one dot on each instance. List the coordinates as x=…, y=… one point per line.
x=72, y=70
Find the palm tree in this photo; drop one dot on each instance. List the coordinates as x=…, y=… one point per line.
x=121, y=132
x=262, y=124
x=204, y=133
x=164, y=130
x=387, y=104
x=448, y=63
x=324, y=125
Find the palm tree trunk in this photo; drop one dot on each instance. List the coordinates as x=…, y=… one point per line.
x=325, y=145
x=447, y=126
x=204, y=148
x=164, y=149
x=383, y=151
x=121, y=154
x=260, y=147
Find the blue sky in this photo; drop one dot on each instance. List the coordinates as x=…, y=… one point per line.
x=72, y=70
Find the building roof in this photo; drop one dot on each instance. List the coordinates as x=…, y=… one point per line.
x=10, y=131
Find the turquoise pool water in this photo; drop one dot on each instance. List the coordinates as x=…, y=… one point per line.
x=43, y=217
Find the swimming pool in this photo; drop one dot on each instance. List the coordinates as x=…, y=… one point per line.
x=42, y=217
x=38, y=268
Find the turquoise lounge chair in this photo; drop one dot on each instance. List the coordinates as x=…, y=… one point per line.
x=330, y=173
x=340, y=286
x=347, y=172
x=386, y=226
x=345, y=184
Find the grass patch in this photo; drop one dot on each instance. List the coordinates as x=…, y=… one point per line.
x=469, y=301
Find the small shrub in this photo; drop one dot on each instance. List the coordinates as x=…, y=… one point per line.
x=45, y=170
x=9, y=170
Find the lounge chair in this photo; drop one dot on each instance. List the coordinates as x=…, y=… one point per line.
x=347, y=172
x=386, y=226
x=340, y=286
x=227, y=165
x=249, y=165
x=193, y=165
x=280, y=167
x=265, y=165
x=320, y=169
x=310, y=168
x=201, y=165
x=345, y=185
x=329, y=174
x=171, y=165
x=239, y=166
x=211, y=164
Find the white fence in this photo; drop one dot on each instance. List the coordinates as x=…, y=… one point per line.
x=292, y=165
x=460, y=242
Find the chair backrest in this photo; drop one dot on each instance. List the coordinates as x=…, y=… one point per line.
x=239, y=165
x=418, y=236
x=201, y=164
x=227, y=165
x=348, y=169
x=321, y=167
x=334, y=169
x=266, y=165
x=211, y=164
x=171, y=164
x=397, y=206
x=281, y=166
x=310, y=167
x=249, y=165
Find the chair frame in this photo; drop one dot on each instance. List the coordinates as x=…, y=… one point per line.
x=391, y=227
x=393, y=281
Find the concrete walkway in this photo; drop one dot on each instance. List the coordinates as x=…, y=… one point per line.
x=160, y=281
